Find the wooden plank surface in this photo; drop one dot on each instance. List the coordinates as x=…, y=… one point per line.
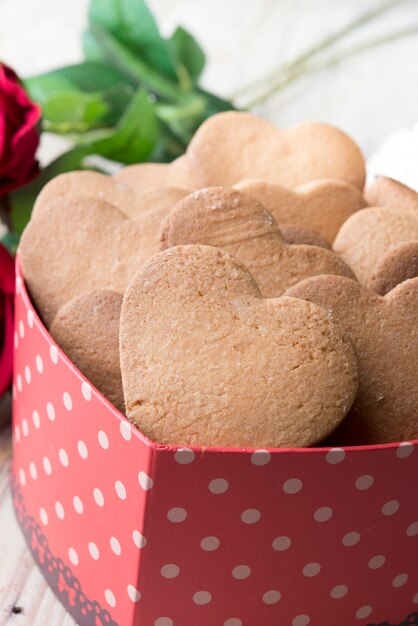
x=369, y=97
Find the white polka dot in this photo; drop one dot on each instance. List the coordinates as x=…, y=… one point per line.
x=351, y=539
x=139, y=539
x=415, y=599
x=59, y=510
x=323, y=514
x=43, y=515
x=110, y=598
x=339, y=592
x=412, y=530
x=209, y=544
x=163, y=621
x=399, y=580
x=94, y=551
x=404, y=450
x=170, y=571
x=292, y=486
x=53, y=353
x=19, y=382
x=120, y=490
x=33, y=471
x=377, y=561
x=103, y=439
x=311, y=569
x=39, y=363
x=36, y=419
x=184, y=456
x=73, y=556
x=115, y=546
x=21, y=329
x=335, y=456
x=50, y=411
x=364, y=482
x=177, y=514
x=47, y=465
x=240, y=572
x=25, y=428
x=282, y=543
x=133, y=593
x=260, y=457
x=301, y=620
x=82, y=449
x=68, y=402
x=30, y=318
x=218, y=485
x=250, y=516
x=202, y=597
x=390, y=508
x=86, y=390
x=145, y=481
x=363, y=612
x=17, y=434
x=28, y=375
x=63, y=457
x=98, y=496
x=22, y=477
x=233, y=621
x=78, y=505
x=125, y=430
x=18, y=284
x=271, y=597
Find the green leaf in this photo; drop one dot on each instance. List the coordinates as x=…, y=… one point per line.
x=89, y=77
x=74, y=111
x=133, y=67
x=135, y=136
x=188, y=52
x=10, y=241
x=22, y=200
x=133, y=25
x=91, y=48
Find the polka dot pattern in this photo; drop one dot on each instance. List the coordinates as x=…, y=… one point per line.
x=300, y=538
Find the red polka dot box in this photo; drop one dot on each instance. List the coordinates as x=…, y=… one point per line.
x=128, y=532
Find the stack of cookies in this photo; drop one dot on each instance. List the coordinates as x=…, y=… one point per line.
x=249, y=294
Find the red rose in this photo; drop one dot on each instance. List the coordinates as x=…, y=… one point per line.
x=7, y=289
x=19, y=137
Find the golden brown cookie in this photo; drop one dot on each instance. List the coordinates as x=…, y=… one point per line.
x=100, y=186
x=141, y=176
x=370, y=234
x=80, y=245
x=384, y=332
x=87, y=330
x=390, y=193
x=225, y=218
x=394, y=268
x=233, y=146
x=207, y=361
x=322, y=205
x=296, y=234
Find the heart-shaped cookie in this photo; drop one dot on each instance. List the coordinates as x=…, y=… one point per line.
x=141, y=176
x=207, y=361
x=370, y=234
x=296, y=234
x=233, y=146
x=80, y=245
x=390, y=193
x=322, y=205
x=87, y=330
x=102, y=187
x=394, y=268
x=384, y=332
x=225, y=218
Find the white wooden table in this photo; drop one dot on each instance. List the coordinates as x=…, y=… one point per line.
x=368, y=96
